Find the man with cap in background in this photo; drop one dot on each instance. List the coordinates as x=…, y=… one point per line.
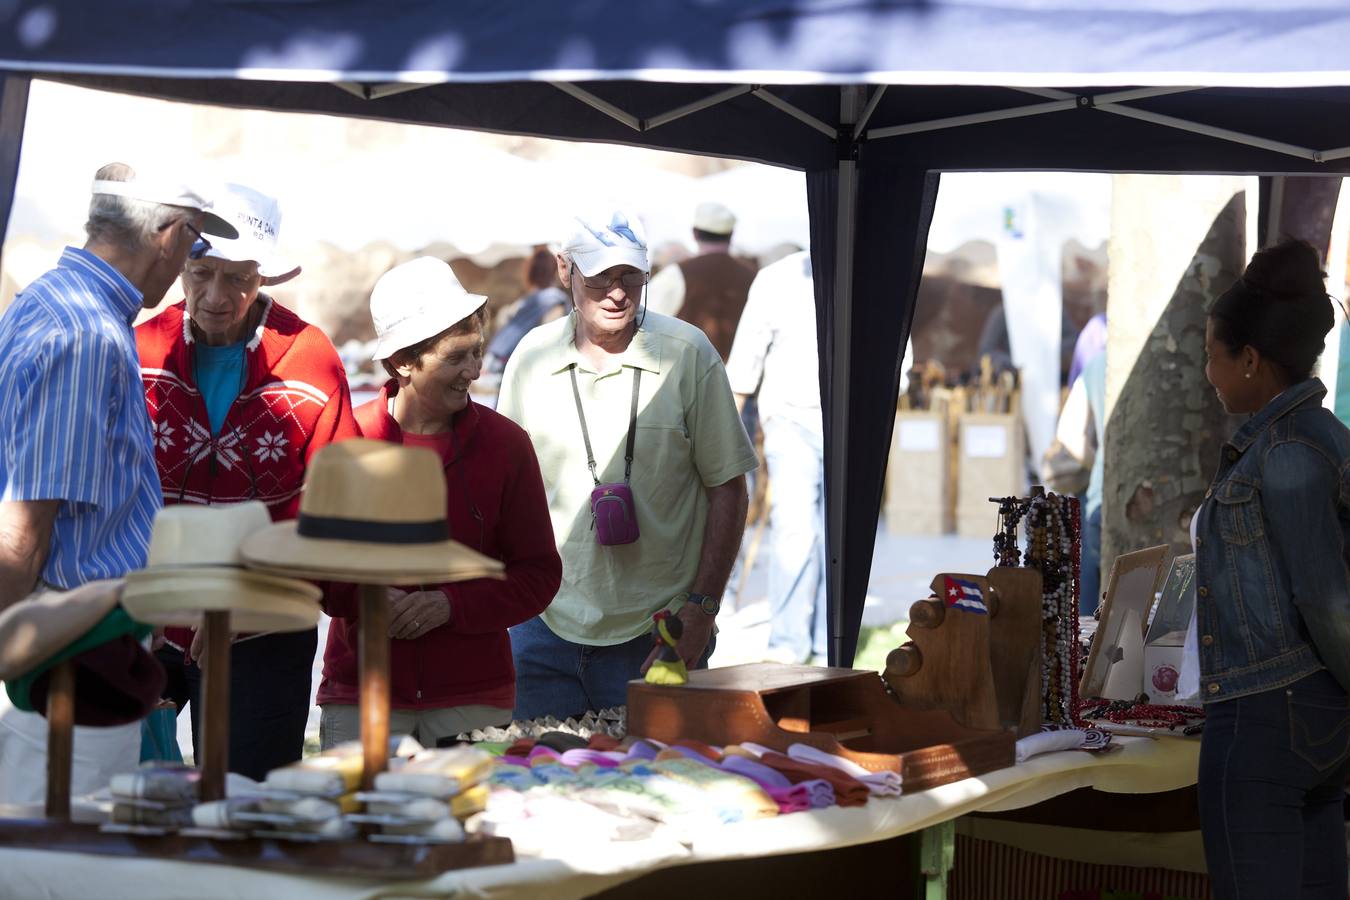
x=581, y=386
x=709, y=289
x=77, y=465
x=242, y=393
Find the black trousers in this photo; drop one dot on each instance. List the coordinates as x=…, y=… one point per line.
x=269, y=700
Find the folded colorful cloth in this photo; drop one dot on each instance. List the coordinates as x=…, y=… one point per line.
x=643, y=750
x=514, y=760
x=757, y=772
x=883, y=784
x=679, y=751
x=814, y=794
x=562, y=741
x=521, y=747
x=848, y=791
x=604, y=742
x=586, y=756
x=707, y=751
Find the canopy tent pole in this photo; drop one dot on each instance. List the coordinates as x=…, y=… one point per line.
x=13, y=111
x=841, y=311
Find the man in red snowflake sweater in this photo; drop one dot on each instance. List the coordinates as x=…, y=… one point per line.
x=242, y=393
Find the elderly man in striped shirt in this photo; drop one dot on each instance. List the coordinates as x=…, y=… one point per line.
x=77, y=463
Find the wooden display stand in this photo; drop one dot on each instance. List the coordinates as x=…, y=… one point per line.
x=840, y=711
x=992, y=464
x=984, y=669
x=344, y=857
x=919, y=482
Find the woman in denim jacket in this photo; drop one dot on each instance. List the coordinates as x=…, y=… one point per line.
x=1273, y=593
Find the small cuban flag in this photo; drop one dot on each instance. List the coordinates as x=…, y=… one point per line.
x=965, y=595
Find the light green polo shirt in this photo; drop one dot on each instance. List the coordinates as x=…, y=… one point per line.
x=689, y=438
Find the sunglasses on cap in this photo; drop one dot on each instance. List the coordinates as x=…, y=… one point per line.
x=201, y=246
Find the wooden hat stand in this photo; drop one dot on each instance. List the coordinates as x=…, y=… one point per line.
x=358, y=857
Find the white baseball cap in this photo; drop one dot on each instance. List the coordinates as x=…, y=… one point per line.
x=613, y=238
x=169, y=192
x=417, y=300
x=714, y=218
x=257, y=217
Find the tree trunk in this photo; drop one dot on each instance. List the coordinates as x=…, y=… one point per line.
x=1176, y=244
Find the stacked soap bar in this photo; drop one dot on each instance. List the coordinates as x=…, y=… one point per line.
x=428, y=798
x=155, y=799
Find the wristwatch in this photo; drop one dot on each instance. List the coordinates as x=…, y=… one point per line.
x=710, y=605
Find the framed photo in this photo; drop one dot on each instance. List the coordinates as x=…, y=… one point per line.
x=1130, y=592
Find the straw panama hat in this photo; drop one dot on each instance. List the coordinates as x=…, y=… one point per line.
x=194, y=567
x=372, y=513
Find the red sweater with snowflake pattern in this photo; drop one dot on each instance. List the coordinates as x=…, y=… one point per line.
x=293, y=402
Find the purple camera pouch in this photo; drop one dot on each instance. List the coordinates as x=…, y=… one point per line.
x=614, y=514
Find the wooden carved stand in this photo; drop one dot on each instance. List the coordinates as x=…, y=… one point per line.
x=840, y=711
x=984, y=669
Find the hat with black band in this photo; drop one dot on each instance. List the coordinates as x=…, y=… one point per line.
x=372, y=513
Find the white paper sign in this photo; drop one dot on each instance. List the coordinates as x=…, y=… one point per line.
x=919, y=436
x=985, y=441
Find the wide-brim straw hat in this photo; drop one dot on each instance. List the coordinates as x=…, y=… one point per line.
x=194, y=566
x=372, y=513
x=177, y=597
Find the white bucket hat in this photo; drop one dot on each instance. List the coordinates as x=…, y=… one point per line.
x=170, y=192
x=417, y=300
x=258, y=220
x=615, y=238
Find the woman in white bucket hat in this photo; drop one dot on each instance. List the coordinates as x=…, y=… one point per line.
x=450, y=661
x=242, y=394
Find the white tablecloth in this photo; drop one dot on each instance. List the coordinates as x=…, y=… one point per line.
x=1140, y=765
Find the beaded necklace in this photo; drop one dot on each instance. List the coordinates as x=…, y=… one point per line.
x=1054, y=548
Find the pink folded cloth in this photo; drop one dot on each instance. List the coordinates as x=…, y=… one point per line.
x=513, y=760
x=791, y=799
x=582, y=756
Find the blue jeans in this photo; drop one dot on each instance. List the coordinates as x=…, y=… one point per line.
x=796, y=458
x=1090, y=566
x=1272, y=773
x=555, y=677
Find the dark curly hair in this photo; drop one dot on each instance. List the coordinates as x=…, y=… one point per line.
x=1279, y=307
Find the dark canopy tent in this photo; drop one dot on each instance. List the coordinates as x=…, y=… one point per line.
x=870, y=98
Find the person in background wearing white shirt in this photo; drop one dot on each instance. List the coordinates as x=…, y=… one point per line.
x=774, y=358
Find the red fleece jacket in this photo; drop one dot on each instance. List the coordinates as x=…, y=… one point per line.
x=294, y=401
x=466, y=661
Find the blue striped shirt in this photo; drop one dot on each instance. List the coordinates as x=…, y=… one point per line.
x=73, y=418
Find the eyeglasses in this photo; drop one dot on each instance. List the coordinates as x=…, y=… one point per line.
x=201, y=246
x=603, y=282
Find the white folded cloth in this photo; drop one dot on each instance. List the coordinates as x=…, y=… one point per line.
x=1049, y=741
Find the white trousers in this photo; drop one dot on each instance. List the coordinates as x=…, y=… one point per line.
x=100, y=753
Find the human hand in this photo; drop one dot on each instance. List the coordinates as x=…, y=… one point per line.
x=698, y=629
x=197, y=649
x=413, y=615
x=156, y=638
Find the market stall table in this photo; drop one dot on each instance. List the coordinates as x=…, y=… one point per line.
x=1138, y=766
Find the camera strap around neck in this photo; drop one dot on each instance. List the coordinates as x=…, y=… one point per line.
x=632, y=426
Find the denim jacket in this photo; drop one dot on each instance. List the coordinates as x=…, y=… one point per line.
x=1272, y=547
